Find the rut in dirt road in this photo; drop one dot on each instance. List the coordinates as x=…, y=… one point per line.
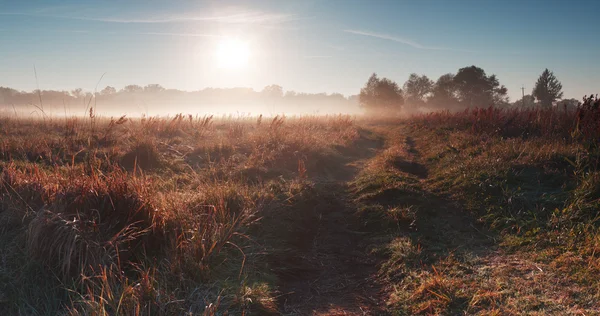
x=326, y=269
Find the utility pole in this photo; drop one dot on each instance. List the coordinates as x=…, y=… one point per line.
x=523, y=91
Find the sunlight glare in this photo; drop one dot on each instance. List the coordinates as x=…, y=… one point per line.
x=232, y=53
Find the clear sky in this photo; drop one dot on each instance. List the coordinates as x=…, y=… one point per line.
x=306, y=45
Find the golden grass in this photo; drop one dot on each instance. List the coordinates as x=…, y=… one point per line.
x=470, y=213
x=150, y=216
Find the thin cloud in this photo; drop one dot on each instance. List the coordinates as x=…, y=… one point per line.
x=248, y=17
x=318, y=56
x=404, y=41
x=176, y=34
x=336, y=47
x=130, y=33
x=64, y=31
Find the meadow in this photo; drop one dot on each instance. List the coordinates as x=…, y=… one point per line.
x=485, y=211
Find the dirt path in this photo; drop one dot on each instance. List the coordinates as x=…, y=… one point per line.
x=446, y=261
x=333, y=273
x=338, y=275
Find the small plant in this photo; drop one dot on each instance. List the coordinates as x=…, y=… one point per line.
x=276, y=123
x=110, y=128
x=236, y=130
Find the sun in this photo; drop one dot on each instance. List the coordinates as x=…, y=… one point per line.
x=232, y=53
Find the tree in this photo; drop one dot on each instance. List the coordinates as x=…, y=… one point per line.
x=529, y=101
x=153, y=88
x=475, y=88
x=567, y=103
x=336, y=96
x=273, y=91
x=417, y=88
x=381, y=95
x=7, y=95
x=444, y=93
x=108, y=91
x=499, y=92
x=77, y=93
x=290, y=94
x=547, y=88
x=132, y=88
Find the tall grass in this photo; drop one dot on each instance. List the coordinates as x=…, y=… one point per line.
x=148, y=216
x=581, y=123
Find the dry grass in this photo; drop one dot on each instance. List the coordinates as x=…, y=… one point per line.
x=487, y=211
x=149, y=216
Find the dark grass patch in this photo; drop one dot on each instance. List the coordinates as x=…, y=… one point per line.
x=143, y=155
x=411, y=167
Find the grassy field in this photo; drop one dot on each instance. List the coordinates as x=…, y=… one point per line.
x=487, y=211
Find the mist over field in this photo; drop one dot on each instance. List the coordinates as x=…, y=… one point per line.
x=471, y=87
x=154, y=100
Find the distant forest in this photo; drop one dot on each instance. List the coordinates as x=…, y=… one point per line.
x=155, y=99
x=469, y=87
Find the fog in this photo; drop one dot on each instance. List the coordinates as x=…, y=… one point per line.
x=153, y=100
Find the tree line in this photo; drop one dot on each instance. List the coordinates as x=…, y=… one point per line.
x=469, y=87
x=157, y=99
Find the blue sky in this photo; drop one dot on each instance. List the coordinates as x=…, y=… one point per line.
x=309, y=46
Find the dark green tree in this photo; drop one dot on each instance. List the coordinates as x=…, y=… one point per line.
x=476, y=89
x=547, y=88
x=444, y=93
x=417, y=88
x=381, y=95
